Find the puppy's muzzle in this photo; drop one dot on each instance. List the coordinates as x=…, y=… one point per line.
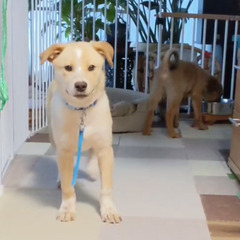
x=80, y=86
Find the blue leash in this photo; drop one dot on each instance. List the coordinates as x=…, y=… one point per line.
x=80, y=137
x=80, y=142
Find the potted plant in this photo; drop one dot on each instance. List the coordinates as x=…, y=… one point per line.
x=166, y=6
x=87, y=20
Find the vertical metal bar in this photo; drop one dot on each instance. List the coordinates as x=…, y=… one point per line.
x=94, y=20
x=39, y=69
x=160, y=28
x=193, y=38
x=83, y=22
x=204, y=41
x=147, y=52
x=182, y=42
x=53, y=21
x=171, y=32
x=60, y=20
x=71, y=20
x=214, y=46
x=126, y=47
x=32, y=65
x=224, y=52
x=35, y=67
x=192, y=52
x=137, y=47
x=48, y=22
x=43, y=67
x=52, y=33
x=105, y=20
x=234, y=59
x=44, y=48
x=115, y=47
x=47, y=38
x=48, y=66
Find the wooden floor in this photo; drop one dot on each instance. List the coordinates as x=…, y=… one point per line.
x=224, y=230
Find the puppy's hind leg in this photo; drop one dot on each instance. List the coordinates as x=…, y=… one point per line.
x=197, y=107
x=152, y=106
x=92, y=167
x=176, y=119
x=172, y=116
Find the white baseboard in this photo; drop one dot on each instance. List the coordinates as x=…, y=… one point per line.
x=1, y=190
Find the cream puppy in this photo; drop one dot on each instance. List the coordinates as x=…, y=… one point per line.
x=77, y=97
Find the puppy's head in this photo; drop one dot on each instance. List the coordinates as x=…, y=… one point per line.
x=213, y=90
x=79, y=67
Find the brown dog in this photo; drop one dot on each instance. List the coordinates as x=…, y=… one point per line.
x=178, y=79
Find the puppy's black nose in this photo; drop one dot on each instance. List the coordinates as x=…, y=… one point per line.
x=80, y=86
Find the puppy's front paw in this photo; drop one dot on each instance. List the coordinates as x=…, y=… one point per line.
x=67, y=211
x=175, y=135
x=147, y=132
x=202, y=127
x=66, y=216
x=109, y=213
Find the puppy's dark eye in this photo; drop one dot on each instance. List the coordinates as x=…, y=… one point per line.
x=91, y=68
x=68, y=68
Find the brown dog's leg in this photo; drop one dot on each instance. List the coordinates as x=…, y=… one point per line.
x=152, y=106
x=197, y=107
x=109, y=212
x=176, y=119
x=148, y=123
x=170, y=122
x=173, y=104
x=65, y=163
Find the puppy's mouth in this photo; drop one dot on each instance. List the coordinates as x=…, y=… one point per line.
x=80, y=95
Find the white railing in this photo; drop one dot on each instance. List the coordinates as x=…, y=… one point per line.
x=134, y=61
x=44, y=27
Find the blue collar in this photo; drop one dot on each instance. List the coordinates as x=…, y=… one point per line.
x=81, y=108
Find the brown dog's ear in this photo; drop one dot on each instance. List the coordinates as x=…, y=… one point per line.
x=105, y=49
x=51, y=53
x=214, y=84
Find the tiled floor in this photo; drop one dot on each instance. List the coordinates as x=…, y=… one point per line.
x=170, y=189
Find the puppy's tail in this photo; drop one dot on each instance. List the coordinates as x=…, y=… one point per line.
x=170, y=60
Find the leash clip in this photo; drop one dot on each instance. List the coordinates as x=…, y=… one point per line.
x=82, y=123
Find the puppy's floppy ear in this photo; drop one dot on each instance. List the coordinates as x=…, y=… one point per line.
x=51, y=53
x=214, y=85
x=105, y=49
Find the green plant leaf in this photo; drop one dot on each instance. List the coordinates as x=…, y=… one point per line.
x=111, y=13
x=99, y=24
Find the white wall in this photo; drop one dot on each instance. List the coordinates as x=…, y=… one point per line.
x=14, y=117
x=20, y=70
